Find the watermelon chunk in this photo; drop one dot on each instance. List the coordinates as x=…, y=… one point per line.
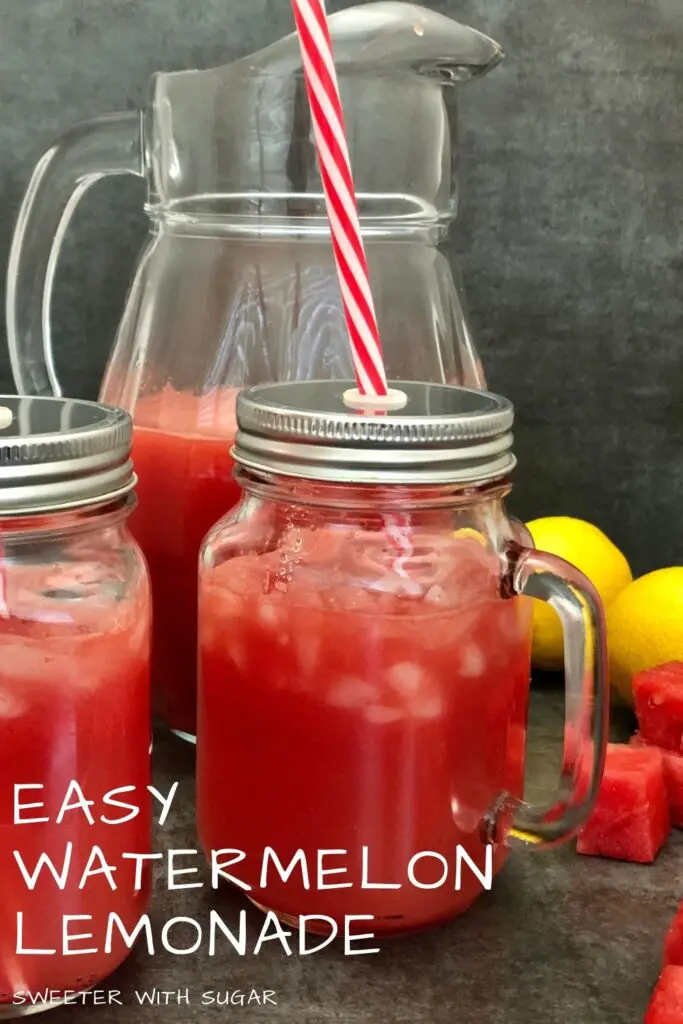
x=673, y=942
x=673, y=776
x=666, y=1005
x=631, y=819
x=658, y=696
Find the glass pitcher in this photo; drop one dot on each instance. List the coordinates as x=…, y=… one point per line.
x=365, y=634
x=237, y=284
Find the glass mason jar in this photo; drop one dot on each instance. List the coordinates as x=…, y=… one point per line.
x=365, y=634
x=74, y=697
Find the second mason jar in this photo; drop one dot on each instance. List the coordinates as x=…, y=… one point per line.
x=74, y=700
x=365, y=632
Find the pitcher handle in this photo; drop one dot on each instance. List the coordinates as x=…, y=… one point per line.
x=85, y=153
x=548, y=578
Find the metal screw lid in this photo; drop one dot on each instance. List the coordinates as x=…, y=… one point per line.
x=59, y=454
x=443, y=434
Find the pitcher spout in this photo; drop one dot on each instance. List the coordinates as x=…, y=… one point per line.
x=391, y=36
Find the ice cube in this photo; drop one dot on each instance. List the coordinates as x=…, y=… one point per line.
x=24, y=664
x=237, y=654
x=12, y=704
x=308, y=653
x=239, y=576
x=268, y=615
x=407, y=678
x=220, y=616
x=417, y=689
x=350, y=692
x=428, y=706
x=379, y=714
x=472, y=661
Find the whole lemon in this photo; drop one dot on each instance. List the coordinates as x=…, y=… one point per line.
x=645, y=627
x=594, y=554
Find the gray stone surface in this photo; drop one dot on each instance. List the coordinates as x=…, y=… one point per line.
x=570, y=234
x=561, y=939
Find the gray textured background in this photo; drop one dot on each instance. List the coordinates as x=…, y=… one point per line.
x=570, y=230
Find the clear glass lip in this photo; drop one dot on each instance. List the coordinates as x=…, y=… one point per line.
x=387, y=36
x=293, y=215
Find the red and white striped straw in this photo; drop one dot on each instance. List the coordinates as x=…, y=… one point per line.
x=340, y=195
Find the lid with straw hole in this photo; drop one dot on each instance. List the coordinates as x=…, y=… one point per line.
x=58, y=453
x=440, y=434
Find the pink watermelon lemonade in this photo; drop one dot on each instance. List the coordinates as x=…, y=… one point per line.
x=181, y=454
x=74, y=707
x=363, y=711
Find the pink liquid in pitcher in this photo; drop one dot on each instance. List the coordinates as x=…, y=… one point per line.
x=360, y=715
x=74, y=707
x=181, y=453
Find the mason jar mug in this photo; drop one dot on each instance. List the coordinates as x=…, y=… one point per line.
x=74, y=700
x=365, y=634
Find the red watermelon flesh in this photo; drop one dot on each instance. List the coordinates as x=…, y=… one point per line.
x=658, y=696
x=673, y=943
x=666, y=1005
x=673, y=776
x=631, y=819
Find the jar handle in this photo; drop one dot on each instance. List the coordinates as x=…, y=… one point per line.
x=547, y=578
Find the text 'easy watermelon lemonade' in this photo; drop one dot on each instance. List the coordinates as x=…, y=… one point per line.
x=181, y=451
